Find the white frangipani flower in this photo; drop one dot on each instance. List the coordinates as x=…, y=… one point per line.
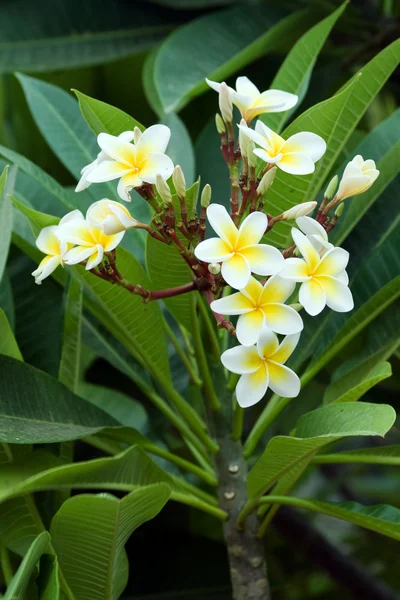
x=297, y=155
x=251, y=102
x=49, y=242
x=239, y=250
x=323, y=280
x=84, y=183
x=112, y=217
x=90, y=242
x=315, y=233
x=262, y=367
x=357, y=177
x=133, y=163
x=261, y=305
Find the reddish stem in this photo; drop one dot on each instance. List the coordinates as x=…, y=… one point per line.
x=221, y=321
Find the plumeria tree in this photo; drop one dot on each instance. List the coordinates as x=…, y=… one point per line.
x=255, y=294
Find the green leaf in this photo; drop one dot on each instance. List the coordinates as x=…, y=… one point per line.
x=28, y=399
x=334, y=120
x=66, y=35
x=37, y=219
x=297, y=67
x=315, y=430
x=7, y=300
x=21, y=579
x=18, y=529
x=253, y=31
x=69, y=372
x=76, y=532
x=355, y=384
x=5, y=219
x=48, y=580
x=384, y=455
x=102, y=117
x=180, y=148
x=381, y=518
x=122, y=408
x=8, y=343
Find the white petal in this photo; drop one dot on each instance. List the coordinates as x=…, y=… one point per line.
x=156, y=164
x=246, y=87
x=249, y=326
x=253, y=291
x=126, y=183
x=46, y=268
x=338, y=295
x=312, y=296
x=241, y=359
x=282, y=319
x=256, y=137
x=267, y=343
x=333, y=262
x=96, y=258
x=277, y=289
x=321, y=246
x=266, y=156
x=107, y=171
x=236, y=271
x=48, y=242
x=153, y=140
x=310, y=226
x=278, y=101
x=282, y=380
x=343, y=277
x=286, y=348
x=235, y=304
x=118, y=149
x=296, y=163
x=213, y=84
x=308, y=143
x=74, y=215
x=112, y=241
x=252, y=388
x=295, y=269
x=213, y=250
x=306, y=248
x=352, y=186
x=222, y=223
x=252, y=229
x=127, y=136
x=263, y=259
x=78, y=254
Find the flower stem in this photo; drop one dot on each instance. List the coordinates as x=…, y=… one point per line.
x=237, y=426
x=6, y=566
x=190, y=367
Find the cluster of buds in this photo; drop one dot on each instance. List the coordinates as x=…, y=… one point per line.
x=271, y=285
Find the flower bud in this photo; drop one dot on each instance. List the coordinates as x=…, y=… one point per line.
x=243, y=140
x=178, y=179
x=205, y=196
x=219, y=123
x=266, y=181
x=137, y=134
x=357, y=178
x=225, y=103
x=163, y=189
x=300, y=210
x=339, y=210
x=214, y=268
x=331, y=189
x=251, y=157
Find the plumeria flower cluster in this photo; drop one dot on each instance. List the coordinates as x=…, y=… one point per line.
x=240, y=274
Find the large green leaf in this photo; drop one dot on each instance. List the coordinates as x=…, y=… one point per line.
x=314, y=431
x=66, y=34
x=48, y=580
x=5, y=219
x=17, y=526
x=297, y=67
x=383, y=455
x=98, y=527
x=355, y=384
x=252, y=32
x=334, y=120
x=21, y=579
x=70, y=361
x=8, y=343
x=104, y=118
x=36, y=408
x=381, y=518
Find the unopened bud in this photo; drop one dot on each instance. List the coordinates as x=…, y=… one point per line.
x=205, y=196
x=214, y=268
x=331, y=189
x=300, y=210
x=163, y=189
x=137, y=134
x=178, y=179
x=219, y=123
x=266, y=181
x=339, y=210
x=225, y=103
x=243, y=140
x=251, y=157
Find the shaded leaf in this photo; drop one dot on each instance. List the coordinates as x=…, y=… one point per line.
x=8, y=343
x=355, y=384
x=21, y=579
x=5, y=217
x=69, y=372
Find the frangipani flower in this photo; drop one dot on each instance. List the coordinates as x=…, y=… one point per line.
x=239, y=251
x=133, y=163
x=89, y=241
x=111, y=217
x=323, y=280
x=84, y=183
x=296, y=155
x=261, y=305
x=315, y=233
x=49, y=243
x=262, y=367
x=251, y=102
x=357, y=177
